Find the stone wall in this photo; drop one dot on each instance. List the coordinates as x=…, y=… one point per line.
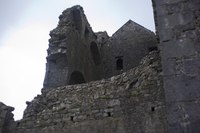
x=6, y=118
x=132, y=101
x=126, y=47
x=146, y=99
x=73, y=55
x=178, y=27
x=77, y=55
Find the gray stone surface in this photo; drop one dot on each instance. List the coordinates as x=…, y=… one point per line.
x=130, y=44
x=76, y=54
x=70, y=60
x=6, y=118
x=178, y=26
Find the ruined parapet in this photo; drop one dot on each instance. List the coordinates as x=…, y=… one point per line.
x=126, y=47
x=70, y=57
x=178, y=26
x=6, y=118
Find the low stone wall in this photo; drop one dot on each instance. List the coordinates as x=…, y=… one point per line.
x=132, y=101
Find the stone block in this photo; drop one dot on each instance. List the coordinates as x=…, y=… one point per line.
x=177, y=49
x=183, y=117
x=168, y=66
x=181, y=88
x=192, y=67
x=166, y=35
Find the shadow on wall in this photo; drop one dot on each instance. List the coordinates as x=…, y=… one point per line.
x=95, y=53
x=76, y=78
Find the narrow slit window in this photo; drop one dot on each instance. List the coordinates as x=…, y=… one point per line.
x=109, y=114
x=119, y=64
x=152, y=109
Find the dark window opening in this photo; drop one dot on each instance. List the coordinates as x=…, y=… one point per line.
x=76, y=78
x=119, y=64
x=86, y=31
x=152, y=49
x=109, y=114
x=72, y=118
x=152, y=109
x=77, y=19
x=18, y=123
x=95, y=53
x=95, y=36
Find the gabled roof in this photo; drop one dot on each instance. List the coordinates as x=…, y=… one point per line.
x=131, y=26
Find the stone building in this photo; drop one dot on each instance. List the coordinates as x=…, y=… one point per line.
x=77, y=55
x=126, y=47
x=159, y=95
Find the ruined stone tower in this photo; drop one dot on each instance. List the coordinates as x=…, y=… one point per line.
x=159, y=95
x=77, y=55
x=69, y=58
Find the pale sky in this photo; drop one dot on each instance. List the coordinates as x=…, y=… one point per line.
x=24, y=34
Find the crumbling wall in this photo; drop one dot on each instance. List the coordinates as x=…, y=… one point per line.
x=6, y=118
x=70, y=51
x=130, y=102
x=178, y=27
x=75, y=49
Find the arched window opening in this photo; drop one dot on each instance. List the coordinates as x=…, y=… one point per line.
x=152, y=49
x=119, y=63
x=76, y=78
x=95, y=53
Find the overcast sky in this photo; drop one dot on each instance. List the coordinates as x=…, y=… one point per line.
x=24, y=34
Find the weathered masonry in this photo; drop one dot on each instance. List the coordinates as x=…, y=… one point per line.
x=156, y=91
x=178, y=27
x=77, y=55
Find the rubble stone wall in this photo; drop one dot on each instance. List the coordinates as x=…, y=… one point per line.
x=132, y=101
